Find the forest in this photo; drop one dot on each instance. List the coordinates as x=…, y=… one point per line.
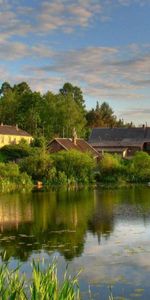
x=52, y=115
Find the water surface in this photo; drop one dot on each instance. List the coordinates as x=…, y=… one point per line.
x=106, y=233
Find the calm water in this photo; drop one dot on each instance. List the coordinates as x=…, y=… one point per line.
x=106, y=233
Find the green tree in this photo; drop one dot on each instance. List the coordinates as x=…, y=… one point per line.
x=9, y=107
x=28, y=115
x=101, y=116
x=22, y=88
x=5, y=88
x=75, y=92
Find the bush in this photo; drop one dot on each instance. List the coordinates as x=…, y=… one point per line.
x=37, y=165
x=110, y=167
x=11, y=179
x=14, y=152
x=78, y=167
x=139, y=170
x=39, y=142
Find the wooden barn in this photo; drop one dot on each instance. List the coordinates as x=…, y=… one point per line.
x=124, y=141
x=74, y=143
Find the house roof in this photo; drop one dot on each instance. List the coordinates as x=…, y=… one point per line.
x=12, y=130
x=81, y=145
x=122, y=137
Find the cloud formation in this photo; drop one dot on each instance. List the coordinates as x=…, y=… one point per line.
x=43, y=16
x=101, y=71
x=30, y=52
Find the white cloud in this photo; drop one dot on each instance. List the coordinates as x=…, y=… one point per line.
x=10, y=50
x=102, y=70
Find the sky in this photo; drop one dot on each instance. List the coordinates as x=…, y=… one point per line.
x=102, y=46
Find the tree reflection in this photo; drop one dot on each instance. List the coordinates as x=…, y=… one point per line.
x=58, y=221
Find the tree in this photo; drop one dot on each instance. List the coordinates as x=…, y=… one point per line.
x=69, y=116
x=9, y=107
x=28, y=114
x=101, y=116
x=76, y=94
x=5, y=88
x=22, y=88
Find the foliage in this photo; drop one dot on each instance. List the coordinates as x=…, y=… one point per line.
x=12, y=179
x=44, y=284
x=78, y=167
x=37, y=165
x=39, y=142
x=139, y=169
x=46, y=114
x=13, y=152
x=111, y=168
x=75, y=92
x=103, y=116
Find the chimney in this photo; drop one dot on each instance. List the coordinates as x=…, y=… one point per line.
x=74, y=137
x=1, y=123
x=17, y=127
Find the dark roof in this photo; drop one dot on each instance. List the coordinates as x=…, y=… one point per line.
x=81, y=145
x=122, y=137
x=12, y=130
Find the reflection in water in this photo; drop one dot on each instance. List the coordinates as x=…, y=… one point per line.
x=101, y=221
x=50, y=221
x=95, y=229
x=60, y=220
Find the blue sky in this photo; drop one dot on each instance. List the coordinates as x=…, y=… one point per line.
x=103, y=46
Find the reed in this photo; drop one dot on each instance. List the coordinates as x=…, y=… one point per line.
x=43, y=284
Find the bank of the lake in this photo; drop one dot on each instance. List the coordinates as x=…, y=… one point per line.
x=69, y=169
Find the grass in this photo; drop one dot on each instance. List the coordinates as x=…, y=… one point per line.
x=43, y=284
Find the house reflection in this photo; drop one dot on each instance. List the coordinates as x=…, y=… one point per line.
x=101, y=222
x=58, y=221
x=53, y=221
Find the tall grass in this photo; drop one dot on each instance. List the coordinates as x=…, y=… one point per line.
x=43, y=284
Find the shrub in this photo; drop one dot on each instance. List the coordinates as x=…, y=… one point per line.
x=77, y=166
x=139, y=170
x=11, y=179
x=110, y=167
x=37, y=165
x=14, y=152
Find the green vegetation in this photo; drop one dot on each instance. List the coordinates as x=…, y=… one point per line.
x=112, y=168
x=65, y=167
x=52, y=114
x=75, y=166
x=43, y=285
x=12, y=179
x=22, y=163
x=14, y=152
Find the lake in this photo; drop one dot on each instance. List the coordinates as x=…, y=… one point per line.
x=104, y=233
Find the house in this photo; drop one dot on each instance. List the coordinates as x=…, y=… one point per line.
x=12, y=135
x=74, y=143
x=124, y=141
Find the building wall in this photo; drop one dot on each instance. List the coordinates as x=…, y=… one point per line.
x=12, y=139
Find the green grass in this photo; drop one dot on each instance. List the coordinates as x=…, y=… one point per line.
x=43, y=284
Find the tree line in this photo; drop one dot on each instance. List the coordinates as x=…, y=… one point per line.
x=52, y=114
